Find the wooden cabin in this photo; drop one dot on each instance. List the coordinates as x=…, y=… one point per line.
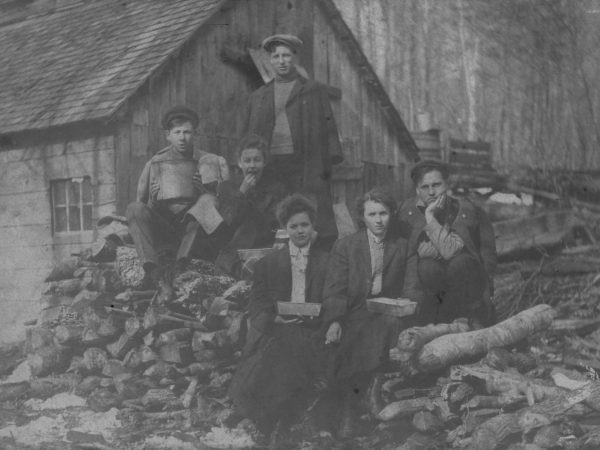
x=83, y=84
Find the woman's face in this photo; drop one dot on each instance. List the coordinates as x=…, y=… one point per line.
x=300, y=229
x=376, y=218
x=252, y=162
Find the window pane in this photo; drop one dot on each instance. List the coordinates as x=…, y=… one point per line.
x=74, y=191
x=60, y=219
x=87, y=217
x=58, y=188
x=86, y=190
x=74, y=219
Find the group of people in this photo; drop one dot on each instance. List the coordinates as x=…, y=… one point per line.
x=436, y=250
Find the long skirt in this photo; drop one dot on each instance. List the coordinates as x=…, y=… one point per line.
x=284, y=365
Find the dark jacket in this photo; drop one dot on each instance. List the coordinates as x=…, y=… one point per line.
x=272, y=282
x=251, y=218
x=471, y=224
x=366, y=336
x=314, y=135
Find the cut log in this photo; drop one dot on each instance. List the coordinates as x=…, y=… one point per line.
x=121, y=346
x=94, y=359
x=174, y=336
x=13, y=391
x=546, y=229
x=133, y=359
x=84, y=300
x=90, y=338
x=495, y=431
x=493, y=401
x=200, y=369
x=160, y=370
x=502, y=359
x=110, y=326
x=102, y=399
x=188, y=395
x=63, y=270
x=91, y=318
x=129, y=268
x=131, y=295
x=68, y=334
x=160, y=398
x=412, y=340
x=38, y=337
x=204, y=355
x=176, y=352
x=581, y=326
x=48, y=359
x=148, y=355
x=450, y=349
x=426, y=422
x=70, y=287
x=88, y=385
x=405, y=408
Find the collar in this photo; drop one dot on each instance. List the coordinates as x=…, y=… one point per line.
x=295, y=251
x=373, y=238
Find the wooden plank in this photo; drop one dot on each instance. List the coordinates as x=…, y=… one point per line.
x=537, y=231
x=343, y=172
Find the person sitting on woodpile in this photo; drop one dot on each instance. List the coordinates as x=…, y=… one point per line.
x=367, y=264
x=293, y=115
x=452, y=250
x=284, y=355
x=162, y=213
x=248, y=204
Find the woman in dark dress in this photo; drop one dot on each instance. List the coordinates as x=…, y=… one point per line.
x=369, y=263
x=284, y=356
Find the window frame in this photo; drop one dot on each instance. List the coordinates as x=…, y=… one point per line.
x=67, y=205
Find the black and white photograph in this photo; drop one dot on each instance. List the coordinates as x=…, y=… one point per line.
x=299, y=224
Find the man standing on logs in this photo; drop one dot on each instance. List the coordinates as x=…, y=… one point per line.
x=169, y=208
x=294, y=116
x=451, y=250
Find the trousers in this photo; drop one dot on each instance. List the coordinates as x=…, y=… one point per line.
x=454, y=288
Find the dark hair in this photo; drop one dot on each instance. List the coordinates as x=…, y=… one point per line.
x=376, y=195
x=176, y=121
x=253, y=141
x=271, y=46
x=424, y=167
x=295, y=204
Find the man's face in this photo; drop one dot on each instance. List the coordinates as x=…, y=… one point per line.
x=376, y=218
x=181, y=137
x=431, y=186
x=252, y=162
x=300, y=229
x=283, y=60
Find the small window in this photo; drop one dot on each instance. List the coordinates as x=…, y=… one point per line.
x=71, y=205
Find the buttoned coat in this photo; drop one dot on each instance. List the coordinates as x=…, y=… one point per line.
x=366, y=336
x=314, y=136
x=473, y=226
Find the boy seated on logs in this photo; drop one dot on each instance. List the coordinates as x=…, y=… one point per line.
x=451, y=250
x=170, y=208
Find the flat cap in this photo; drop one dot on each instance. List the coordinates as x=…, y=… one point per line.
x=288, y=40
x=179, y=112
x=427, y=165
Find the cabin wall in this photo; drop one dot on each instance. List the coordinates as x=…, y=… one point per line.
x=27, y=243
x=367, y=138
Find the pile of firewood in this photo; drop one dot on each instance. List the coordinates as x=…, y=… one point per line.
x=117, y=347
x=455, y=388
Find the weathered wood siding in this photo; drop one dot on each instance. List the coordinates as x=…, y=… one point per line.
x=27, y=244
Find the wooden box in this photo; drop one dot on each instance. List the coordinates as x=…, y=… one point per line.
x=399, y=307
x=298, y=309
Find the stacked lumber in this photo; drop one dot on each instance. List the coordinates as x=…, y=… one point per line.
x=102, y=330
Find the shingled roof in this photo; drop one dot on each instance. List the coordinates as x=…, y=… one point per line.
x=83, y=62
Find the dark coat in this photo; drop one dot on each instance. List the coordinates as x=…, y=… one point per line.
x=314, y=135
x=280, y=361
x=272, y=282
x=366, y=336
x=473, y=226
x=251, y=217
